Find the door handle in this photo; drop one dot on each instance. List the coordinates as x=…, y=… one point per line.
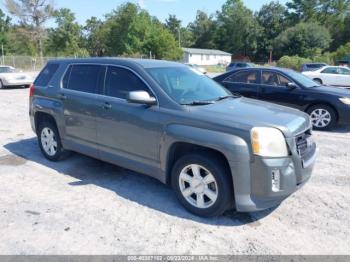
x=63, y=97
x=107, y=106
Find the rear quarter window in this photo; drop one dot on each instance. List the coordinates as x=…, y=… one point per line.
x=46, y=75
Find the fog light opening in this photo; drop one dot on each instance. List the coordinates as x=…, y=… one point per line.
x=276, y=181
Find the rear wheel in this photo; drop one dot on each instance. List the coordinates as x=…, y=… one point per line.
x=317, y=80
x=50, y=142
x=323, y=117
x=203, y=184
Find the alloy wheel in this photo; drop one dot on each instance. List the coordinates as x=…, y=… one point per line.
x=321, y=118
x=198, y=186
x=48, y=141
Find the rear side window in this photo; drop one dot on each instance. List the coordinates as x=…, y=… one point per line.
x=84, y=78
x=246, y=77
x=46, y=75
x=120, y=82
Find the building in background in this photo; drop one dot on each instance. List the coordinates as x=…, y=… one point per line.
x=205, y=57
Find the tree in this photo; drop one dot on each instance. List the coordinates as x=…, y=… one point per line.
x=95, y=37
x=66, y=38
x=272, y=21
x=330, y=13
x=182, y=35
x=130, y=30
x=304, y=39
x=203, y=31
x=237, y=29
x=4, y=29
x=33, y=14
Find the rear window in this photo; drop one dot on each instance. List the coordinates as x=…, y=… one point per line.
x=46, y=75
x=84, y=78
x=246, y=77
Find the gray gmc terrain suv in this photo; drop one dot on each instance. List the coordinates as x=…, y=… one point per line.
x=218, y=151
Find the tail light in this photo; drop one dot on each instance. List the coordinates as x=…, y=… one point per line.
x=31, y=90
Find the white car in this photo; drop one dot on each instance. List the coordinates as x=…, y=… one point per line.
x=10, y=77
x=331, y=75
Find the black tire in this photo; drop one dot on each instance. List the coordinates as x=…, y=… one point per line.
x=216, y=166
x=1, y=85
x=319, y=81
x=60, y=152
x=332, y=113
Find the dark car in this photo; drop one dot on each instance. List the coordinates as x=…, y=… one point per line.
x=326, y=105
x=312, y=66
x=237, y=65
x=166, y=120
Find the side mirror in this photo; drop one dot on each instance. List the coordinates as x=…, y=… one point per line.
x=141, y=97
x=292, y=86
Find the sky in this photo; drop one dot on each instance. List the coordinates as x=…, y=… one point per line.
x=185, y=10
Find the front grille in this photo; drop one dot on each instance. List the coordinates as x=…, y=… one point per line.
x=303, y=144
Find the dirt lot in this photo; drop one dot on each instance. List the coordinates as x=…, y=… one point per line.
x=84, y=206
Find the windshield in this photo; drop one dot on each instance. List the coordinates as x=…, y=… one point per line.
x=301, y=79
x=187, y=86
x=7, y=70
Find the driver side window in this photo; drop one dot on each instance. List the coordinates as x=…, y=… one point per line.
x=274, y=79
x=120, y=81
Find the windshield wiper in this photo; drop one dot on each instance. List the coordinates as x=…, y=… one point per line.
x=228, y=96
x=198, y=103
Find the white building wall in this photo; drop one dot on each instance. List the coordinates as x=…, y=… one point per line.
x=206, y=60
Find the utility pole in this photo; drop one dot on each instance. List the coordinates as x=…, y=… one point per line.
x=179, y=30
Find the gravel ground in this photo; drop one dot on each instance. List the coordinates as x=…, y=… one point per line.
x=85, y=206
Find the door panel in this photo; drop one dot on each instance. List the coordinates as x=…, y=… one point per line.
x=274, y=89
x=128, y=134
x=79, y=96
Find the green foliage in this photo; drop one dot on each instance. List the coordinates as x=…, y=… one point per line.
x=65, y=39
x=342, y=52
x=129, y=30
x=293, y=62
x=4, y=29
x=272, y=20
x=203, y=31
x=237, y=29
x=304, y=39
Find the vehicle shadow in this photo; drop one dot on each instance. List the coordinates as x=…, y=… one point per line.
x=130, y=185
x=342, y=129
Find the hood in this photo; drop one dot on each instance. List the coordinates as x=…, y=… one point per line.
x=331, y=90
x=247, y=113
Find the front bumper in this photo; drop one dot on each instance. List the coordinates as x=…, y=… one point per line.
x=259, y=194
x=343, y=114
x=17, y=82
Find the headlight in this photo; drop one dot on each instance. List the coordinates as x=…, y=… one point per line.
x=268, y=142
x=345, y=100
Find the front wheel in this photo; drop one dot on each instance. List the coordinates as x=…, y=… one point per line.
x=323, y=117
x=203, y=184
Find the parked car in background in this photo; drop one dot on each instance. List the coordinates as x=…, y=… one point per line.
x=198, y=68
x=312, y=66
x=217, y=150
x=236, y=65
x=11, y=77
x=331, y=75
x=327, y=106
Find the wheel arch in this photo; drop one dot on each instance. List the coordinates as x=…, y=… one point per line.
x=179, y=149
x=40, y=117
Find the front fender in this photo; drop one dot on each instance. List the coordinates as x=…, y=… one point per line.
x=234, y=148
